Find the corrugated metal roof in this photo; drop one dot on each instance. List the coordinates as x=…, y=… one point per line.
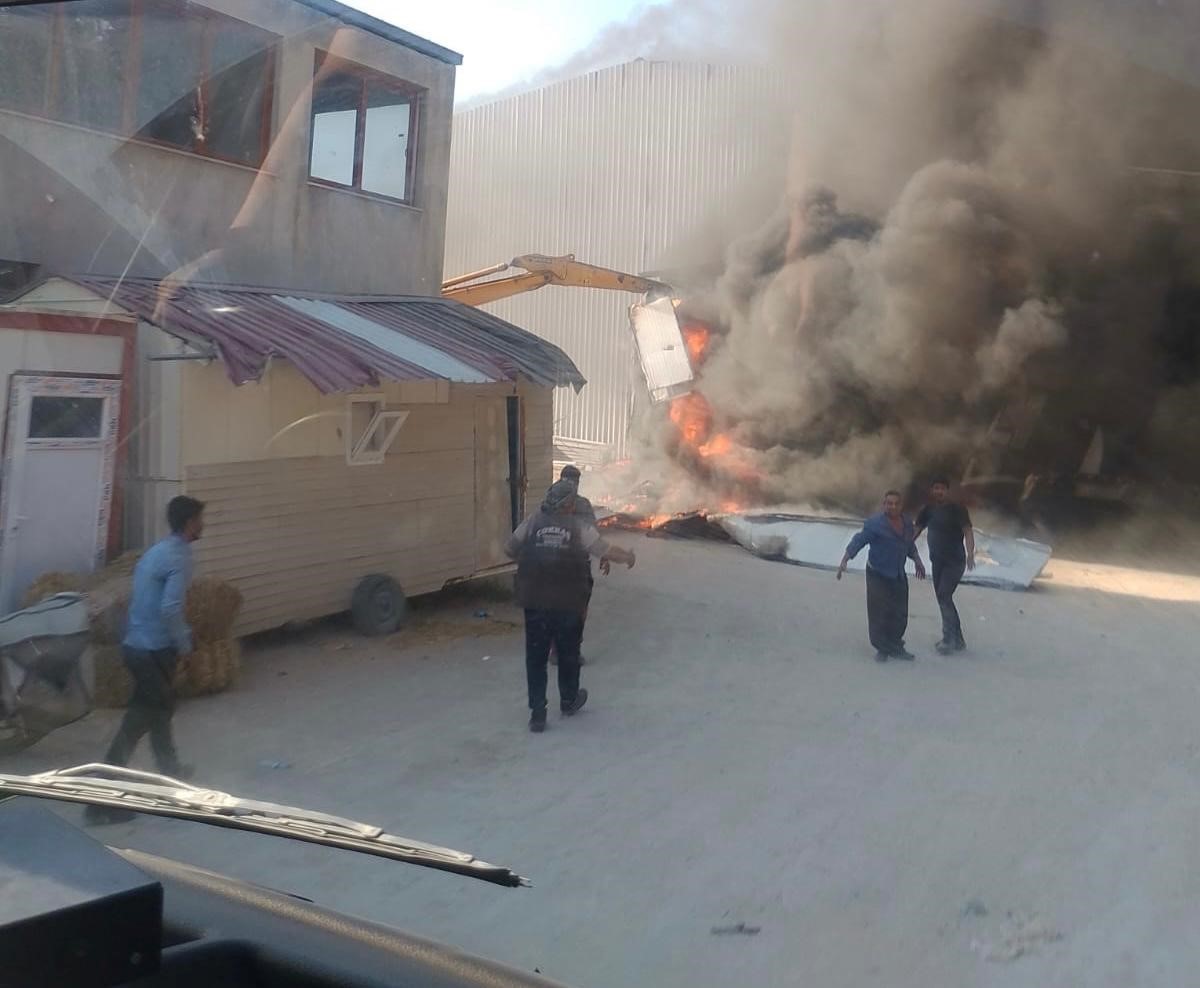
x=344, y=342
x=616, y=167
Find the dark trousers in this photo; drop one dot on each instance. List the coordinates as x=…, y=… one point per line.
x=563, y=630
x=946, y=577
x=887, y=612
x=150, y=709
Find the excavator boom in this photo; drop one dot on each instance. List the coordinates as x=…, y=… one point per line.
x=653, y=321
x=539, y=270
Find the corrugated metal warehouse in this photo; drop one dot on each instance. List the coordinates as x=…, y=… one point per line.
x=615, y=167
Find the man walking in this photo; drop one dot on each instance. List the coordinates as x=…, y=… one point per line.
x=552, y=549
x=951, y=553
x=892, y=539
x=585, y=513
x=156, y=636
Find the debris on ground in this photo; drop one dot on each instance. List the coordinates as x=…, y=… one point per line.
x=974, y=907
x=1023, y=935
x=736, y=929
x=808, y=540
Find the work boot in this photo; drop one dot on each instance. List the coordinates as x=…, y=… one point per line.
x=570, y=709
x=100, y=815
x=537, y=720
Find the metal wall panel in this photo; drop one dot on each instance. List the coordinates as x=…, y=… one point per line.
x=616, y=167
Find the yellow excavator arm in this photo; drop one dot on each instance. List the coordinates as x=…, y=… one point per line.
x=538, y=271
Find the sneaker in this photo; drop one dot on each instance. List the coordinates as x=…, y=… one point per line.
x=537, y=721
x=101, y=815
x=881, y=656
x=570, y=709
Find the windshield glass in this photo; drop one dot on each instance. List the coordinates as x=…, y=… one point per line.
x=733, y=464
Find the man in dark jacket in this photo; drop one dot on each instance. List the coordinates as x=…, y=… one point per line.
x=951, y=554
x=553, y=549
x=584, y=512
x=893, y=541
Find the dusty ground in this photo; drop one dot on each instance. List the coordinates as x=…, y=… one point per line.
x=1026, y=814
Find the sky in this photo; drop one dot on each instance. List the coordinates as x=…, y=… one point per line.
x=503, y=41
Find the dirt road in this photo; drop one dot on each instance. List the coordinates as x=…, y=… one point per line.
x=1025, y=814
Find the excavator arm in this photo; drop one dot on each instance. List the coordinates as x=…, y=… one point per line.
x=538, y=271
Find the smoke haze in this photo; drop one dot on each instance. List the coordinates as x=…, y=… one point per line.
x=969, y=228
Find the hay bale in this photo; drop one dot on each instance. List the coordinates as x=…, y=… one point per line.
x=211, y=668
x=113, y=683
x=48, y=584
x=212, y=607
x=122, y=566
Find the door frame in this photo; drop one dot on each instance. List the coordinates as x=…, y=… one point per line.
x=23, y=387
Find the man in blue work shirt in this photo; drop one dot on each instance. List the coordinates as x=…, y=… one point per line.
x=892, y=539
x=156, y=636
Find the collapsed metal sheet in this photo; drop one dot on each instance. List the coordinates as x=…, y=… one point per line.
x=661, y=349
x=1001, y=562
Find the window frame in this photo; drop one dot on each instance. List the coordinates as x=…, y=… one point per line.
x=380, y=431
x=131, y=60
x=325, y=63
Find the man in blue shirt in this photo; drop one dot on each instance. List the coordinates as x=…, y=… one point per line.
x=156, y=636
x=892, y=539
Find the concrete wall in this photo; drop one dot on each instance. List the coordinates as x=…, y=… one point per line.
x=81, y=201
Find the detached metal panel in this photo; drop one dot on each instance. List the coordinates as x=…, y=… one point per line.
x=616, y=167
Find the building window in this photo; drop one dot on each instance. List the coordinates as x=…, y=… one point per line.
x=370, y=429
x=165, y=71
x=364, y=130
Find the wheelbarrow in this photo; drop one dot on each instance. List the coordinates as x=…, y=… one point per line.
x=43, y=680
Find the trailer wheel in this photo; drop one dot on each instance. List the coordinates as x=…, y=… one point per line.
x=378, y=606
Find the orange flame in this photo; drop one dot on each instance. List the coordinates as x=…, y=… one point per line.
x=696, y=338
x=719, y=445
x=692, y=414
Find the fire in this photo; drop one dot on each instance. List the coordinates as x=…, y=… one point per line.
x=696, y=338
x=693, y=416
x=719, y=445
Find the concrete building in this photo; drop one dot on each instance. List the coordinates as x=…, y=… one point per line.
x=224, y=225
x=617, y=167
x=291, y=143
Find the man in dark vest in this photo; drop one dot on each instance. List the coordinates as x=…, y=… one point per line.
x=584, y=512
x=552, y=549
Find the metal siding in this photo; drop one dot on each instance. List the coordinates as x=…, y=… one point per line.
x=248, y=326
x=615, y=167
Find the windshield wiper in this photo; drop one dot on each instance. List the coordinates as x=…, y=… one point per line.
x=146, y=792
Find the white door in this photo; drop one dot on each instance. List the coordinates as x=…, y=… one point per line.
x=56, y=488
